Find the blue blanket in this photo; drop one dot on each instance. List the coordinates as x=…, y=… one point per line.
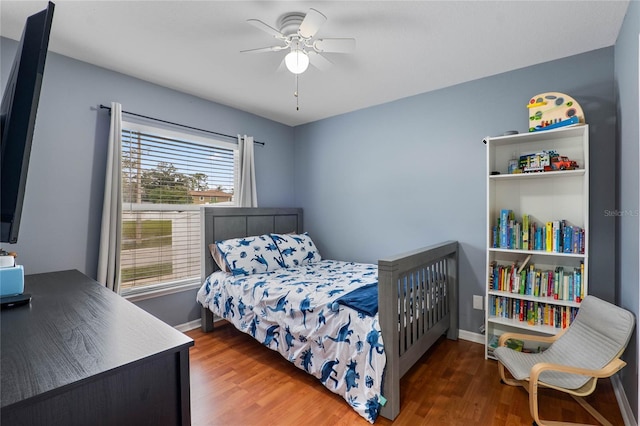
x=363, y=299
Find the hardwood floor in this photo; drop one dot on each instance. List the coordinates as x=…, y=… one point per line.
x=237, y=381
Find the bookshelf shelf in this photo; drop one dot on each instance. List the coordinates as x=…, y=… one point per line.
x=559, y=198
x=536, y=252
x=541, y=175
x=539, y=137
x=548, y=300
x=523, y=325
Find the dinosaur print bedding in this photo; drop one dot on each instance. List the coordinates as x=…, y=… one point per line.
x=295, y=311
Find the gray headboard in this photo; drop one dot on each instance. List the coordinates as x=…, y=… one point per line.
x=222, y=223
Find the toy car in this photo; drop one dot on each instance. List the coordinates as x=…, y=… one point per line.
x=563, y=163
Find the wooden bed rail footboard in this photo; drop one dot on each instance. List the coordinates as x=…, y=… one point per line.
x=418, y=303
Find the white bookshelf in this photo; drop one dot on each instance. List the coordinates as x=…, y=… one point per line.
x=545, y=197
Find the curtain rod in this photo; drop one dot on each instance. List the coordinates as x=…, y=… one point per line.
x=178, y=124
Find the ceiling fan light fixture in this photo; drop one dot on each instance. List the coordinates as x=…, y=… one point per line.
x=297, y=61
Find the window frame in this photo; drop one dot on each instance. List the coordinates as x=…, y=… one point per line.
x=188, y=137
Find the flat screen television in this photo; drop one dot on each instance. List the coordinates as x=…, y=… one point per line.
x=18, y=117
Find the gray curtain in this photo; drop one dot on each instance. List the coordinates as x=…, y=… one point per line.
x=247, y=196
x=110, y=232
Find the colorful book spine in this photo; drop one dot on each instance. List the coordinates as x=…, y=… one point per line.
x=539, y=239
x=525, y=232
x=582, y=294
x=567, y=240
x=552, y=236
x=556, y=284
x=534, y=313
x=504, y=228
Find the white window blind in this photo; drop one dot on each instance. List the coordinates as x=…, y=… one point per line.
x=166, y=176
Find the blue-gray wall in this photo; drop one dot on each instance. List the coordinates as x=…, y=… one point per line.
x=411, y=173
x=60, y=226
x=626, y=77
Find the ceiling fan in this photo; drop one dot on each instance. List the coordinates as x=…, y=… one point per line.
x=296, y=33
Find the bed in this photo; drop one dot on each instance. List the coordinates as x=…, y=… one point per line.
x=324, y=329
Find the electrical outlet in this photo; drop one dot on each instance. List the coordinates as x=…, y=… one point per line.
x=478, y=303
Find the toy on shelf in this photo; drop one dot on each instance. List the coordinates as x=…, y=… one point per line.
x=561, y=162
x=544, y=161
x=552, y=110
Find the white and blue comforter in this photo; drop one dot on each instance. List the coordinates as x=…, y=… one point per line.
x=297, y=312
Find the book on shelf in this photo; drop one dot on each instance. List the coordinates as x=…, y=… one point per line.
x=515, y=344
x=525, y=232
x=556, y=284
x=503, y=228
x=533, y=313
x=538, y=238
x=555, y=236
x=492, y=343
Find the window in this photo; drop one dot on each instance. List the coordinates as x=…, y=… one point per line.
x=165, y=175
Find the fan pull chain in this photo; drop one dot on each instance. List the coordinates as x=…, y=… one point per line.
x=296, y=94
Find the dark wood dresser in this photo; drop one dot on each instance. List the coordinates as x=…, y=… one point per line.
x=79, y=354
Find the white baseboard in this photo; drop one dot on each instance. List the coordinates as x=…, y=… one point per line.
x=191, y=325
x=623, y=402
x=471, y=337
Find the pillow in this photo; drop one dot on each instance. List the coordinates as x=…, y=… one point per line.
x=250, y=255
x=296, y=249
x=218, y=257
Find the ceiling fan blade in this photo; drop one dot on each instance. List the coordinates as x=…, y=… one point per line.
x=282, y=66
x=266, y=28
x=311, y=23
x=264, y=49
x=319, y=61
x=336, y=45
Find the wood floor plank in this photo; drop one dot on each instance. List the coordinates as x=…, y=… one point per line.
x=236, y=381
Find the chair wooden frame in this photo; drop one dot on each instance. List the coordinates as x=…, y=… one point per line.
x=532, y=383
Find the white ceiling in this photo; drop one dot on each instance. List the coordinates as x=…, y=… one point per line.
x=402, y=47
